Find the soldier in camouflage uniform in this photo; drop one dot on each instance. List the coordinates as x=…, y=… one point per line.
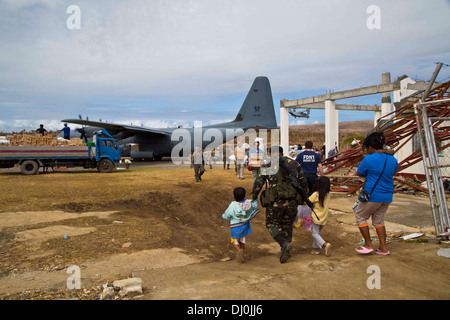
x=280, y=213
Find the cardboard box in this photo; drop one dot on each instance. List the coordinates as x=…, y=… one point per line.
x=255, y=160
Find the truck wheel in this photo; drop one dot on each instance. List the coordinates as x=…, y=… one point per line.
x=105, y=166
x=29, y=167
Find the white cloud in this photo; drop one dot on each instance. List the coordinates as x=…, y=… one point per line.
x=154, y=123
x=204, y=47
x=297, y=122
x=30, y=125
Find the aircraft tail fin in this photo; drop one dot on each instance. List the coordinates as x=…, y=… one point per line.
x=257, y=109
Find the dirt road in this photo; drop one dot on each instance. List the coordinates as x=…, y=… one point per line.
x=162, y=226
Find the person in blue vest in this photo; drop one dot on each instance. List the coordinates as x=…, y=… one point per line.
x=66, y=131
x=311, y=165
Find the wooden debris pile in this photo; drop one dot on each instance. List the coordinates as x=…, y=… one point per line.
x=399, y=128
x=408, y=185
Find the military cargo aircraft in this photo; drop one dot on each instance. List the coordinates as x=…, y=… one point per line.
x=256, y=112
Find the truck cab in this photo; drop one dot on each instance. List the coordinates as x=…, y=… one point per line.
x=106, y=152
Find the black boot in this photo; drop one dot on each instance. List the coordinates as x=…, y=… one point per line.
x=285, y=254
x=285, y=247
x=280, y=239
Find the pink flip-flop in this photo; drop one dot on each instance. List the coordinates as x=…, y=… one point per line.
x=363, y=250
x=382, y=253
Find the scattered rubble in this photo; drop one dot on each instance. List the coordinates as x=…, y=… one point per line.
x=122, y=288
x=444, y=252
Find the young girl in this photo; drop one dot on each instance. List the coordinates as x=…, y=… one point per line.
x=240, y=212
x=321, y=199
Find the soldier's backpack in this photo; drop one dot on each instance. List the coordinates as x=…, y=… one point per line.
x=267, y=197
x=285, y=190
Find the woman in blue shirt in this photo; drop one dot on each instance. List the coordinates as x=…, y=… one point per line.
x=377, y=164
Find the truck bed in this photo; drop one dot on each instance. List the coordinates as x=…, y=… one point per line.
x=43, y=152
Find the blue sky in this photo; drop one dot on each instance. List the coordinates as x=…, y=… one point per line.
x=172, y=62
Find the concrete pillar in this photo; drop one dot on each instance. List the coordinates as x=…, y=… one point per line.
x=386, y=106
x=376, y=116
x=331, y=126
x=408, y=147
x=284, y=128
x=404, y=91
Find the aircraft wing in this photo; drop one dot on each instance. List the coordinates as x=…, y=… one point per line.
x=114, y=128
